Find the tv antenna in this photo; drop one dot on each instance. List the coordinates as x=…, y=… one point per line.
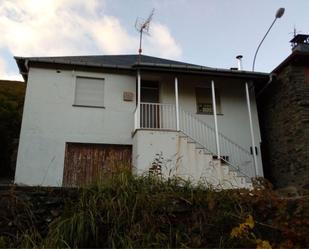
x=142, y=26
x=295, y=31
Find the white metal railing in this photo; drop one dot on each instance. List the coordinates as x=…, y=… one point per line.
x=157, y=116
x=237, y=157
x=163, y=116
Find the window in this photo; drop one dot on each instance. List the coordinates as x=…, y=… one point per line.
x=89, y=92
x=204, y=101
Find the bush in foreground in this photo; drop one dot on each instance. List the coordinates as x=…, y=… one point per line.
x=135, y=212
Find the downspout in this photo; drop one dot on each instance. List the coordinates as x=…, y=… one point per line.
x=271, y=77
x=26, y=64
x=27, y=70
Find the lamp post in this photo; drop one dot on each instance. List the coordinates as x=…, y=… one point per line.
x=279, y=14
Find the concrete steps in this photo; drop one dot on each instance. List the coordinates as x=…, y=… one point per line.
x=197, y=164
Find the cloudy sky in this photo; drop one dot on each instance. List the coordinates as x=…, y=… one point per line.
x=205, y=32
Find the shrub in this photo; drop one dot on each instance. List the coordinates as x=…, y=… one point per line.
x=133, y=212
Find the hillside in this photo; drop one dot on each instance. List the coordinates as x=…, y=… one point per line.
x=12, y=94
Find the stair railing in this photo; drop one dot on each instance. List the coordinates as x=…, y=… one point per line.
x=233, y=154
x=163, y=117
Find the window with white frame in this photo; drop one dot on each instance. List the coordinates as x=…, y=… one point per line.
x=89, y=92
x=204, y=101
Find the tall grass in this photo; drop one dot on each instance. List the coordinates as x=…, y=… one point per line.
x=130, y=212
x=125, y=211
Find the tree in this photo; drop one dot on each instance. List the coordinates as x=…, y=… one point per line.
x=12, y=95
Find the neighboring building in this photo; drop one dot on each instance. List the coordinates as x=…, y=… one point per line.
x=85, y=115
x=284, y=115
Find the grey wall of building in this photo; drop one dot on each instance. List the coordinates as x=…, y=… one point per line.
x=284, y=115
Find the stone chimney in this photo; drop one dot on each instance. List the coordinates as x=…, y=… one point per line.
x=300, y=43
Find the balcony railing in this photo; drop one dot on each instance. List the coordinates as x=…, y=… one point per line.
x=156, y=116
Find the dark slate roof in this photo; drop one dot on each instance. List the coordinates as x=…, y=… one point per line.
x=112, y=60
x=129, y=62
x=298, y=57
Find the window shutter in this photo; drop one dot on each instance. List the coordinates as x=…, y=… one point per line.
x=89, y=92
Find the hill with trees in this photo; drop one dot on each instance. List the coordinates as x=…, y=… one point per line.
x=12, y=94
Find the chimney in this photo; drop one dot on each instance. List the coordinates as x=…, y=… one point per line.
x=239, y=61
x=300, y=43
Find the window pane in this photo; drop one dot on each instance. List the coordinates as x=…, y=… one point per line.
x=204, y=100
x=89, y=91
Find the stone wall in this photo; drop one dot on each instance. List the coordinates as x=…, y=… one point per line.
x=24, y=209
x=284, y=117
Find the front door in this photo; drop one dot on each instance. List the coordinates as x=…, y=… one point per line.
x=150, y=109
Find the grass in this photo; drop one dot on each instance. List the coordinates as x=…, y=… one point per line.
x=125, y=211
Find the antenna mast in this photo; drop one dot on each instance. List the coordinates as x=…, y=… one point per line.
x=142, y=26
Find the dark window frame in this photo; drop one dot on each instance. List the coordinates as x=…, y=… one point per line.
x=209, y=104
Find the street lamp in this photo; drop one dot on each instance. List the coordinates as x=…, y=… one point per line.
x=279, y=14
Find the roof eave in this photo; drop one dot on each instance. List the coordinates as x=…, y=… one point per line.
x=296, y=54
x=201, y=69
x=22, y=63
x=80, y=63
x=23, y=68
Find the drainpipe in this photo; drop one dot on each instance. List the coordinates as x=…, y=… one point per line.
x=27, y=70
x=251, y=130
x=138, y=99
x=215, y=116
x=177, y=104
x=271, y=77
x=26, y=65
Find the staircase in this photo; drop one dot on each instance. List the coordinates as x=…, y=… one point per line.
x=197, y=147
x=232, y=154
x=203, y=166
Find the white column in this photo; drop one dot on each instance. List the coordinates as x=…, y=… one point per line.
x=177, y=103
x=213, y=93
x=251, y=130
x=138, y=99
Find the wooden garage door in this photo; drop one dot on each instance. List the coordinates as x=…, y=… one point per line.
x=85, y=163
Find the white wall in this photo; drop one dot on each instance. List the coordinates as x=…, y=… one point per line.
x=50, y=120
x=149, y=145
x=178, y=156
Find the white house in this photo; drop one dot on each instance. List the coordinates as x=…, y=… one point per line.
x=84, y=115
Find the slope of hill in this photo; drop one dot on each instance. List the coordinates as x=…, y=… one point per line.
x=12, y=94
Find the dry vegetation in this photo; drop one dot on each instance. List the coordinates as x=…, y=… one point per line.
x=133, y=212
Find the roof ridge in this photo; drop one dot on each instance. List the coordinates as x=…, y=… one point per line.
x=96, y=55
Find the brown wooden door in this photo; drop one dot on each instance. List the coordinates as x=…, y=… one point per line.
x=86, y=163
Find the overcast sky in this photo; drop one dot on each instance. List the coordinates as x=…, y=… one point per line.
x=205, y=32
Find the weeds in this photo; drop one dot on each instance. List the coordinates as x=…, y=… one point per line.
x=134, y=212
